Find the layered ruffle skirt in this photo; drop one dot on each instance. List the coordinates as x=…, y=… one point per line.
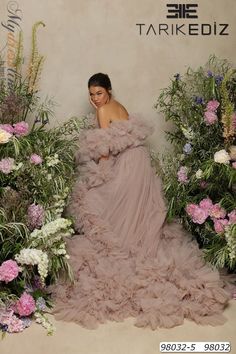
x=127, y=261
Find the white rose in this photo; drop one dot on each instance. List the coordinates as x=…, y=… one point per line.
x=221, y=157
x=199, y=174
x=4, y=136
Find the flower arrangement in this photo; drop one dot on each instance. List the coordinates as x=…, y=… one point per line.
x=199, y=173
x=36, y=174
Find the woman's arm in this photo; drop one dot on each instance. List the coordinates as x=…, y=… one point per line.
x=104, y=121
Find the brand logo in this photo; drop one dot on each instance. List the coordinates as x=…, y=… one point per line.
x=188, y=28
x=182, y=10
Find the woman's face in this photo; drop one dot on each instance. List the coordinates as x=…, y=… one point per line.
x=99, y=95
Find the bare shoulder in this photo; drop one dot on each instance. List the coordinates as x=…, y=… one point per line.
x=103, y=116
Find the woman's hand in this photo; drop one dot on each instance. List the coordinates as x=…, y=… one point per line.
x=92, y=103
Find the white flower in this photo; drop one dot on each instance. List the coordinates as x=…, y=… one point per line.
x=51, y=228
x=33, y=256
x=188, y=133
x=221, y=156
x=17, y=167
x=52, y=160
x=199, y=174
x=4, y=136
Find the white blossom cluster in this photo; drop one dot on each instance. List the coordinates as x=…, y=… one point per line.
x=51, y=228
x=33, y=256
x=51, y=237
x=52, y=160
x=222, y=156
x=230, y=236
x=57, y=206
x=44, y=321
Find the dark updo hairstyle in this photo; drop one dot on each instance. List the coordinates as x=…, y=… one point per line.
x=100, y=79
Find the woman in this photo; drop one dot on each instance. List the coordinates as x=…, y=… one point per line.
x=127, y=261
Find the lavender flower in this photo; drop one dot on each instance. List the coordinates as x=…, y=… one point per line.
x=218, y=79
x=187, y=148
x=26, y=322
x=182, y=175
x=209, y=73
x=41, y=304
x=35, y=216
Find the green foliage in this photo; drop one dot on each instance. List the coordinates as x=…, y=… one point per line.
x=36, y=240
x=195, y=141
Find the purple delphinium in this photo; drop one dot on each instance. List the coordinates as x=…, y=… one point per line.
x=218, y=79
x=209, y=73
x=198, y=100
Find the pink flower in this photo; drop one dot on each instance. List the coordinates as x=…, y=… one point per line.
x=35, y=216
x=7, y=127
x=219, y=225
x=212, y=105
x=234, y=164
x=190, y=208
x=210, y=117
x=7, y=165
x=182, y=175
x=199, y=215
x=206, y=204
x=217, y=212
x=232, y=217
x=21, y=128
x=13, y=323
x=25, y=305
x=9, y=270
x=36, y=159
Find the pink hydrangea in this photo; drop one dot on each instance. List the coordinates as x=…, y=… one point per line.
x=35, y=216
x=7, y=127
x=217, y=212
x=210, y=117
x=206, y=204
x=25, y=305
x=232, y=217
x=234, y=164
x=190, y=208
x=13, y=323
x=21, y=128
x=219, y=225
x=212, y=105
x=7, y=165
x=182, y=175
x=199, y=215
x=9, y=270
x=36, y=159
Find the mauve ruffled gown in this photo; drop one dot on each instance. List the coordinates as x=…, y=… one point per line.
x=127, y=261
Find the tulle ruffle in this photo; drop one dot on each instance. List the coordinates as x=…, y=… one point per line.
x=127, y=261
